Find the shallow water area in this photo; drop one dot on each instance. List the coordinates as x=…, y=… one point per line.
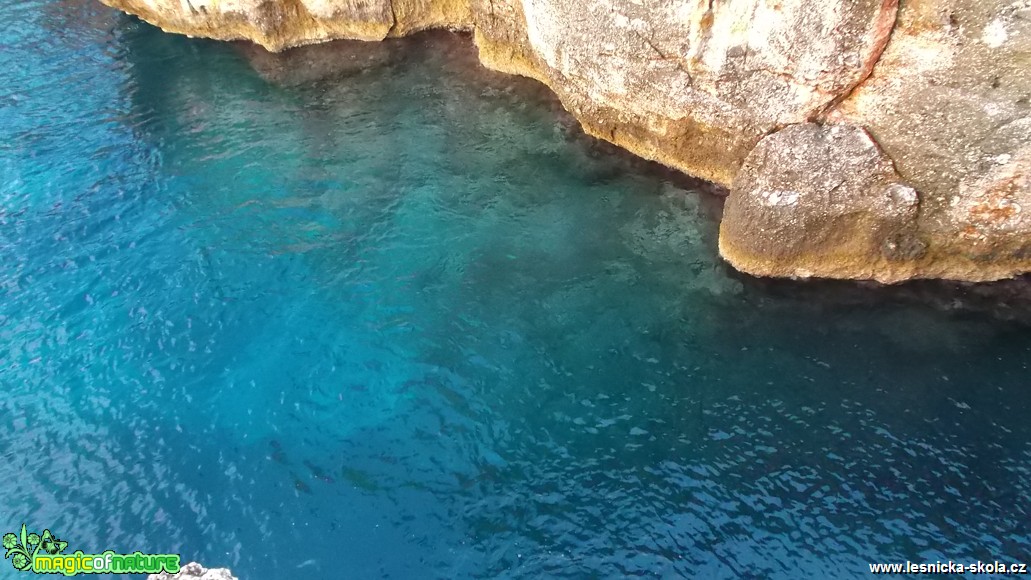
x=372, y=310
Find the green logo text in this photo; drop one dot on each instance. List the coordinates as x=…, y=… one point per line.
x=43, y=554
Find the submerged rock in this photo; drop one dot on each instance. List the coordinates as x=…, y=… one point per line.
x=316, y=62
x=716, y=88
x=194, y=571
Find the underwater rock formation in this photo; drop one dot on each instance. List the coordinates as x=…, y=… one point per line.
x=720, y=89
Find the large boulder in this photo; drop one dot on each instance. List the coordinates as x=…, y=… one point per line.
x=814, y=200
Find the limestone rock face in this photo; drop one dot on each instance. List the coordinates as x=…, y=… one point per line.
x=940, y=89
x=280, y=24
x=821, y=199
x=194, y=571
x=949, y=103
x=695, y=84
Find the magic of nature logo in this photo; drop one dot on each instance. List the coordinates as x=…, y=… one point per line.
x=44, y=554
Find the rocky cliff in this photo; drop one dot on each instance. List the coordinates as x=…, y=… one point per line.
x=870, y=139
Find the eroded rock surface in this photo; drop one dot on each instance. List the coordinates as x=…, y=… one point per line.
x=694, y=85
x=281, y=24
x=194, y=571
x=821, y=198
x=718, y=88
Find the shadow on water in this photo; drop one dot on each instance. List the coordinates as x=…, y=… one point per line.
x=338, y=62
x=324, y=68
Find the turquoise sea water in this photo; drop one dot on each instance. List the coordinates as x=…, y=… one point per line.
x=373, y=311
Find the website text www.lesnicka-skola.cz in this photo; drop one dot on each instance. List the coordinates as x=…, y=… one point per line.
x=950, y=567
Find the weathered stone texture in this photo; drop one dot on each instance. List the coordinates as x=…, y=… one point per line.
x=949, y=102
x=281, y=24
x=821, y=198
x=695, y=84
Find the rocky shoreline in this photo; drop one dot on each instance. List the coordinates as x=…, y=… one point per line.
x=859, y=139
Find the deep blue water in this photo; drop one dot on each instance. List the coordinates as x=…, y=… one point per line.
x=395, y=318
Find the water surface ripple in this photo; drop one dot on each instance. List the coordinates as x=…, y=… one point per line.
x=396, y=319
